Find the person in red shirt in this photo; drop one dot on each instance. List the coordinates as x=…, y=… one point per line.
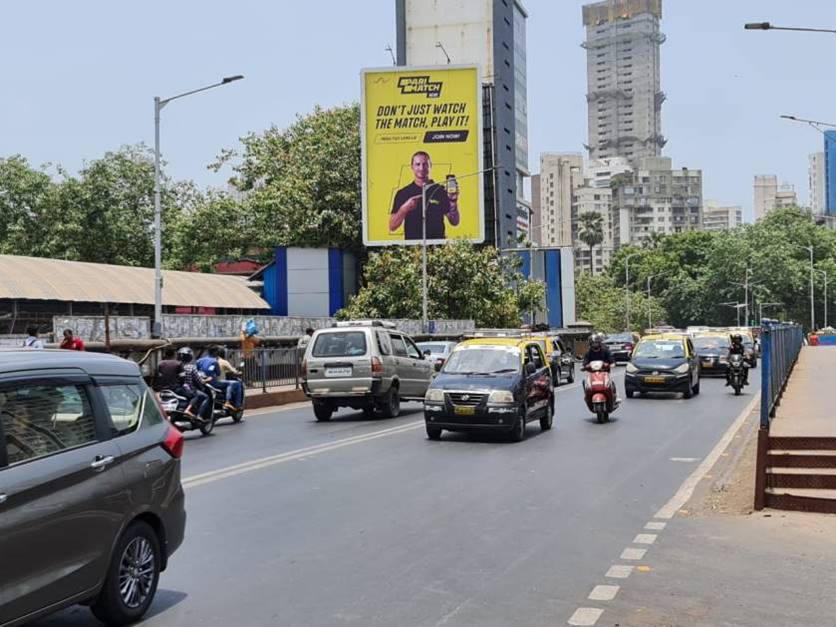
x=70, y=342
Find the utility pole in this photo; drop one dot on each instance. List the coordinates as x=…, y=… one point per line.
x=627, y=286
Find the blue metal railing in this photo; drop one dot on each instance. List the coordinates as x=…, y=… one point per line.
x=780, y=346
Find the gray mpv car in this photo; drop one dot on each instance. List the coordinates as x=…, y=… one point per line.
x=367, y=365
x=91, y=504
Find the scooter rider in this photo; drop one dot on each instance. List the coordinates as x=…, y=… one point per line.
x=737, y=348
x=192, y=386
x=598, y=351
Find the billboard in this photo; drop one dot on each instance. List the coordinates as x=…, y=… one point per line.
x=421, y=130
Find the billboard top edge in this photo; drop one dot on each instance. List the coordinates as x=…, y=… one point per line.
x=421, y=68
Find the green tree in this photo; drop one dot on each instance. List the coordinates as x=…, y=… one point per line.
x=302, y=184
x=26, y=195
x=464, y=282
x=603, y=304
x=591, y=232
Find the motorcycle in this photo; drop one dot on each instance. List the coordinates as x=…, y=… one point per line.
x=598, y=392
x=219, y=396
x=174, y=405
x=737, y=373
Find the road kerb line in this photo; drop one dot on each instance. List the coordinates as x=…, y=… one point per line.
x=256, y=464
x=686, y=490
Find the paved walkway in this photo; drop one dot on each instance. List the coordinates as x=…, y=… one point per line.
x=806, y=408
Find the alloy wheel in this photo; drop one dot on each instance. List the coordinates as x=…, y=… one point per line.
x=136, y=572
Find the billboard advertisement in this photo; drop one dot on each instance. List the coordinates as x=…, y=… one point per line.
x=421, y=131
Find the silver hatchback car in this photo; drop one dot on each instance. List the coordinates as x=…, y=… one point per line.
x=367, y=365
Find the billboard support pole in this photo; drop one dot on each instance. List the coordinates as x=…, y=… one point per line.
x=424, y=323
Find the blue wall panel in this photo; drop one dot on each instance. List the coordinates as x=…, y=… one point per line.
x=830, y=172
x=335, y=280
x=554, y=298
x=280, y=282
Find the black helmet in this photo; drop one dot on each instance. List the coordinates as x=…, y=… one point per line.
x=596, y=340
x=736, y=338
x=185, y=354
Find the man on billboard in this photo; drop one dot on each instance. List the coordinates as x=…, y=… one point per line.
x=442, y=202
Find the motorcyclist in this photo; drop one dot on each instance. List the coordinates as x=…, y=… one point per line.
x=598, y=351
x=192, y=386
x=737, y=348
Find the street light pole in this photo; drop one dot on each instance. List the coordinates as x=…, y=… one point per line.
x=824, y=272
x=769, y=26
x=159, y=103
x=812, y=291
x=649, y=309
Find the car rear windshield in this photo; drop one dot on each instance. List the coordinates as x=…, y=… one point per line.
x=483, y=360
x=711, y=342
x=660, y=349
x=435, y=349
x=340, y=344
x=619, y=337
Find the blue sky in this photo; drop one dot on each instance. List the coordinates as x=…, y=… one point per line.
x=79, y=78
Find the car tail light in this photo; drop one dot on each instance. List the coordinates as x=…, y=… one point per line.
x=377, y=366
x=173, y=443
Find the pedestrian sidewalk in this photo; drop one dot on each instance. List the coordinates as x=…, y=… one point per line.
x=806, y=408
x=278, y=395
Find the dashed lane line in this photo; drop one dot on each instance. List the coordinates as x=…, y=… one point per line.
x=603, y=593
x=645, y=538
x=585, y=616
x=633, y=554
x=619, y=571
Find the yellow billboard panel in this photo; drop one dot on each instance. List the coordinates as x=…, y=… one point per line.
x=421, y=134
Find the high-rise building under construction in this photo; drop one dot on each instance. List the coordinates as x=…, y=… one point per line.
x=624, y=92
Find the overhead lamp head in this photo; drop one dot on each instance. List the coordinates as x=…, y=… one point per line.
x=229, y=79
x=758, y=26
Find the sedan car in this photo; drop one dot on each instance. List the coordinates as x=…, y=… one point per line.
x=713, y=352
x=663, y=363
x=621, y=345
x=496, y=384
x=436, y=352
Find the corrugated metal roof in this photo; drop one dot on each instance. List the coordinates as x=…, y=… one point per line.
x=36, y=278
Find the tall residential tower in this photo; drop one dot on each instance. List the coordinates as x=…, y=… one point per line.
x=624, y=94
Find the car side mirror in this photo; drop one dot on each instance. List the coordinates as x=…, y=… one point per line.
x=428, y=352
x=529, y=369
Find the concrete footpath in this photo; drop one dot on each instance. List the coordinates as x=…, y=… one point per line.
x=718, y=563
x=274, y=396
x=806, y=408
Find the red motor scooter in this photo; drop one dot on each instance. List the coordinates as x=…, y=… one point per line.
x=599, y=394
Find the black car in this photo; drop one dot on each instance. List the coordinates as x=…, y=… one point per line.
x=665, y=363
x=621, y=345
x=560, y=359
x=91, y=504
x=713, y=352
x=499, y=384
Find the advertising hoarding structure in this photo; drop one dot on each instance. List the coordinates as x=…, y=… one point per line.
x=422, y=127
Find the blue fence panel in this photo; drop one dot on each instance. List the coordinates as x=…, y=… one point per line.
x=780, y=345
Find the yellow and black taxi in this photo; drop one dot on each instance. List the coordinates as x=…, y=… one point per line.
x=663, y=363
x=713, y=352
x=498, y=384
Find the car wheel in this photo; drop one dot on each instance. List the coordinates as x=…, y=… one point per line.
x=390, y=403
x=132, y=577
x=208, y=426
x=697, y=388
x=629, y=393
x=433, y=433
x=518, y=430
x=689, y=391
x=547, y=421
x=368, y=411
x=323, y=411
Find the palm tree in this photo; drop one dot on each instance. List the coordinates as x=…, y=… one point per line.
x=591, y=232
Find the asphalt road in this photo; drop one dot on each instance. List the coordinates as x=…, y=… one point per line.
x=366, y=522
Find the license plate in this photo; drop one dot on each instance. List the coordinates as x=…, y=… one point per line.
x=654, y=379
x=708, y=364
x=338, y=372
x=465, y=411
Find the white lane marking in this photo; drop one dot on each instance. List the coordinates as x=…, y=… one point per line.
x=603, y=593
x=585, y=616
x=619, y=571
x=655, y=526
x=275, y=409
x=686, y=460
x=686, y=490
x=633, y=554
x=645, y=538
x=257, y=464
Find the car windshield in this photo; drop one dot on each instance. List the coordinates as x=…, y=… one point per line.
x=711, y=343
x=619, y=337
x=434, y=348
x=483, y=360
x=660, y=349
x=340, y=344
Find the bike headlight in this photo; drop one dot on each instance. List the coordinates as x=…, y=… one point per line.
x=434, y=396
x=682, y=369
x=630, y=367
x=501, y=396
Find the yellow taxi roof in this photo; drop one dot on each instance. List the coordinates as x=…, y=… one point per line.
x=497, y=341
x=664, y=336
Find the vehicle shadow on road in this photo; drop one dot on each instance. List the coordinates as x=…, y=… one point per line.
x=359, y=416
x=79, y=616
x=488, y=437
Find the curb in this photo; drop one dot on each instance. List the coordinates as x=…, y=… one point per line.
x=274, y=399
